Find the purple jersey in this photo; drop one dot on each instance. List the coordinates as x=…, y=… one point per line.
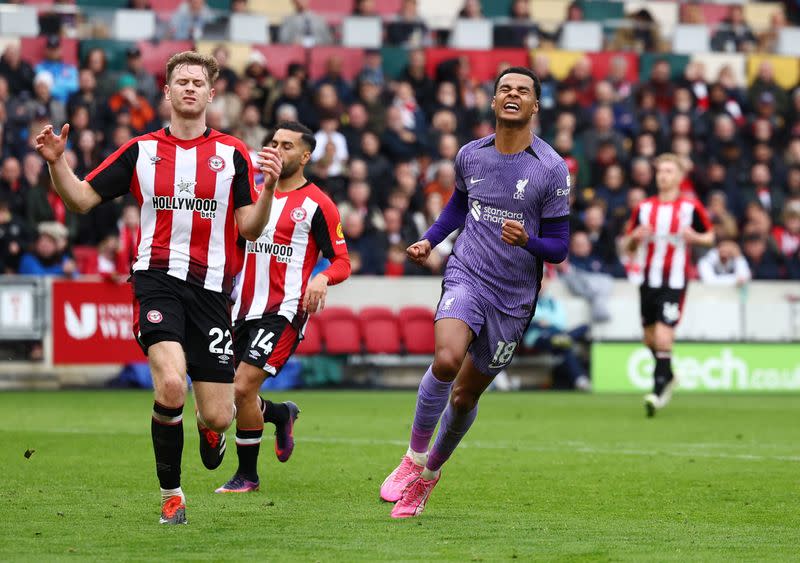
x=531, y=187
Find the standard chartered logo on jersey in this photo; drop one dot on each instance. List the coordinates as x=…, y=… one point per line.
x=699, y=367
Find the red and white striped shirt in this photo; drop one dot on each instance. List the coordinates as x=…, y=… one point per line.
x=187, y=191
x=665, y=255
x=788, y=242
x=278, y=265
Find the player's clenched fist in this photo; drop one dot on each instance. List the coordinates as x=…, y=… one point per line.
x=314, y=298
x=419, y=252
x=270, y=163
x=514, y=233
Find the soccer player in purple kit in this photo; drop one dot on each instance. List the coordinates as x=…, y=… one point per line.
x=512, y=202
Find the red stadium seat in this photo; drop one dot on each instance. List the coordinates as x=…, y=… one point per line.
x=85, y=258
x=311, y=344
x=379, y=327
x=340, y=331
x=483, y=64
x=712, y=14
x=387, y=8
x=280, y=56
x=32, y=50
x=156, y=55
x=416, y=329
x=334, y=11
x=352, y=61
x=601, y=64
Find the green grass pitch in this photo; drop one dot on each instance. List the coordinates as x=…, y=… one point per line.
x=541, y=476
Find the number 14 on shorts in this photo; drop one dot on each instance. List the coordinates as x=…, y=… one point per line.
x=264, y=343
x=503, y=354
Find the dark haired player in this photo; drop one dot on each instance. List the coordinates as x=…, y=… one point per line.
x=275, y=297
x=511, y=200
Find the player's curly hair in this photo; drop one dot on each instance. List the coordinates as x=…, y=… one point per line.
x=194, y=58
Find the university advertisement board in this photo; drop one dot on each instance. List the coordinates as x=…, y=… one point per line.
x=93, y=324
x=737, y=367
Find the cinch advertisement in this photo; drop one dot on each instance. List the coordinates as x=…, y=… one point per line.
x=93, y=324
x=621, y=367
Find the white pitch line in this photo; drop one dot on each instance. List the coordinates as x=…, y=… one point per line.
x=568, y=447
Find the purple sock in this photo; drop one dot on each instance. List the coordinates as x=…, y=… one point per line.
x=431, y=401
x=454, y=426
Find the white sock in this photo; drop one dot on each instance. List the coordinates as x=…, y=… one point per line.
x=429, y=475
x=417, y=457
x=166, y=493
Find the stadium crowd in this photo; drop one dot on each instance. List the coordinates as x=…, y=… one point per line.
x=386, y=144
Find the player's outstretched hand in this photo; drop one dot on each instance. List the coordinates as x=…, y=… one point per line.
x=50, y=145
x=419, y=252
x=317, y=289
x=269, y=162
x=514, y=233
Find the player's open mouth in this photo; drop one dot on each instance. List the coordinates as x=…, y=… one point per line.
x=511, y=106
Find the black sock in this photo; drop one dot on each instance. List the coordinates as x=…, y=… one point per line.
x=663, y=372
x=274, y=413
x=167, y=431
x=248, y=442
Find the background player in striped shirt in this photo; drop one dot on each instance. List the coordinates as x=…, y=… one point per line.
x=662, y=230
x=512, y=201
x=194, y=186
x=275, y=297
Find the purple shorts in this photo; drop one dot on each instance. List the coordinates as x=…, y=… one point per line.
x=497, y=333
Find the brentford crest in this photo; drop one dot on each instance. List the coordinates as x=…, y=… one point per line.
x=216, y=163
x=298, y=214
x=154, y=316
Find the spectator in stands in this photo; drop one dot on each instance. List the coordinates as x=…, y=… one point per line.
x=12, y=186
x=415, y=74
x=601, y=238
x=48, y=256
x=444, y=183
x=292, y=94
x=190, y=18
x=584, y=276
x=725, y=226
x=614, y=193
x=356, y=124
x=44, y=102
x=399, y=142
x=662, y=85
x=88, y=151
x=13, y=238
x=127, y=99
x=764, y=262
x=333, y=76
x=787, y=235
x=602, y=130
x=16, y=71
x=768, y=39
x=639, y=33
x=65, y=75
x=365, y=8
x=145, y=81
x=363, y=244
x=471, y=10
x=408, y=29
x=733, y=34
x=88, y=97
x=761, y=190
x=304, y=27
x=765, y=83
x=250, y=129
x=369, y=94
x=580, y=78
x=379, y=169
x=44, y=205
x=519, y=31
x=724, y=265
x=548, y=334
x=128, y=228
x=359, y=201
x=330, y=157
x=106, y=80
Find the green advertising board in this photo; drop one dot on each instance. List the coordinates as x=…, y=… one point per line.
x=628, y=367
